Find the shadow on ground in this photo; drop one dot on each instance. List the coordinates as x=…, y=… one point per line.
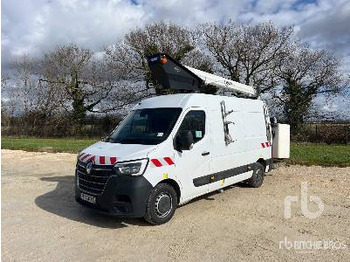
x=61, y=202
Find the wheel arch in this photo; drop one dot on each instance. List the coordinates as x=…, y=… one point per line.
x=175, y=185
x=262, y=161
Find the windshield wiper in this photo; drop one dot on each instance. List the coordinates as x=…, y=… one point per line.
x=135, y=140
x=109, y=139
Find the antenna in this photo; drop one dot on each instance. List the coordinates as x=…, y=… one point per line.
x=169, y=73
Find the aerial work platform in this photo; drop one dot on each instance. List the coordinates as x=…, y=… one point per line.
x=172, y=75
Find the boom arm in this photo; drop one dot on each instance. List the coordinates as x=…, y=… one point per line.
x=169, y=73
x=223, y=83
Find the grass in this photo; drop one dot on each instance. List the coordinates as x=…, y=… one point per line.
x=301, y=153
x=69, y=145
x=320, y=154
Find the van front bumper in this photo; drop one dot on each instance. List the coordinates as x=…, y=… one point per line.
x=123, y=196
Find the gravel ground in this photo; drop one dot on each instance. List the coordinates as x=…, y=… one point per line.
x=42, y=222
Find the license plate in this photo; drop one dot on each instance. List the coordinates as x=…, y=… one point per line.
x=88, y=198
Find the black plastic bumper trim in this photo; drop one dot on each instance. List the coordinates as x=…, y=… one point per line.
x=123, y=196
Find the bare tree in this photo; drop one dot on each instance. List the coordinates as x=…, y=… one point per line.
x=248, y=54
x=304, y=74
x=25, y=84
x=27, y=99
x=5, y=109
x=20, y=90
x=198, y=59
x=84, y=79
x=130, y=55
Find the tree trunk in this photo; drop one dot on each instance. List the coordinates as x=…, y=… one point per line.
x=79, y=110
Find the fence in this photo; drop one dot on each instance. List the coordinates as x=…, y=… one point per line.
x=59, y=127
x=329, y=133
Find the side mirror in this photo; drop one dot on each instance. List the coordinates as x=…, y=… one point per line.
x=273, y=121
x=183, y=141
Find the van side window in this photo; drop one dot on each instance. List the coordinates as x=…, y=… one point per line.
x=194, y=121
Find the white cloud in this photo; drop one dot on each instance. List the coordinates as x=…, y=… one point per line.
x=38, y=25
x=328, y=28
x=34, y=27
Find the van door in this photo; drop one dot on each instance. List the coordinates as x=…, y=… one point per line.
x=228, y=161
x=194, y=163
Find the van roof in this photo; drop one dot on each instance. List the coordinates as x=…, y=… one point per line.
x=191, y=99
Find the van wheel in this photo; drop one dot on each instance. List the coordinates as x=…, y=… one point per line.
x=161, y=204
x=258, y=176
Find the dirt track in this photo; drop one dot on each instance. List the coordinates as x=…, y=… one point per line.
x=42, y=222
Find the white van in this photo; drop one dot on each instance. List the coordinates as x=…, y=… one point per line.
x=171, y=149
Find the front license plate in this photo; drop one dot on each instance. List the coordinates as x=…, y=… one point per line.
x=88, y=198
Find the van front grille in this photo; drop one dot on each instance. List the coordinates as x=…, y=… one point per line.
x=95, y=182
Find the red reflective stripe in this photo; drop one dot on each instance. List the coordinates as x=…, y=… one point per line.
x=84, y=157
x=113, y=159
x=169, y=160
x=263, y=145
x=102, y=160
x=156, y=162
x=267, y=144
x=92, y=159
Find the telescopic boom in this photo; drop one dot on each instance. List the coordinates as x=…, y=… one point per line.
x=169, y=73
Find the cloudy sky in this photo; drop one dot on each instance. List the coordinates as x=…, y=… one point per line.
x=36, y=26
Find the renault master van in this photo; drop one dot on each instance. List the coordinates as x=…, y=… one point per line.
x=173, y=148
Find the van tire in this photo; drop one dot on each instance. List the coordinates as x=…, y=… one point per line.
x=258, y=176
x=161, y=204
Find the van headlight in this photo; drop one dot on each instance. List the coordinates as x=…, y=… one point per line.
x=131, y=168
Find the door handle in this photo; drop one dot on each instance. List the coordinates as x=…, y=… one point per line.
x=205, y=153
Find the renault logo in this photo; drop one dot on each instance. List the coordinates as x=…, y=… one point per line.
x=88, y=168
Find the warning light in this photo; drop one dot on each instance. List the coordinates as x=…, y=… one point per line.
x=163, y=60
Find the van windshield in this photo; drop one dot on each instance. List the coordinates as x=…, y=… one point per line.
x=149, y=126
